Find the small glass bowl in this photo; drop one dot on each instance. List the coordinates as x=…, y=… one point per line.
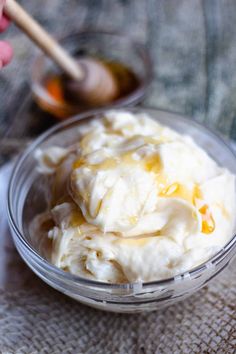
x=101, y=44
x=27, y=197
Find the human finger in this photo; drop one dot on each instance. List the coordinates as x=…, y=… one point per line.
x=6, y=53
x=4, y=23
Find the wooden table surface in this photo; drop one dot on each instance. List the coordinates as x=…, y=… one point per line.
x=192, y=44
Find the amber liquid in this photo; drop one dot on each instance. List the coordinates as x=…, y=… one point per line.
x=64, y=107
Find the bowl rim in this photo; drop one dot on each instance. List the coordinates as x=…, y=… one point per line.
x=223, y=252
x=134, y=96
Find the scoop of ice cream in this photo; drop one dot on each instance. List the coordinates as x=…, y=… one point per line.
x=118, y=185
x=133, y=200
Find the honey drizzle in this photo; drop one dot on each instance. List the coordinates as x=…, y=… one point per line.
x=208, y=222
x=77, y=218
x=196, y=198
x=175, y=190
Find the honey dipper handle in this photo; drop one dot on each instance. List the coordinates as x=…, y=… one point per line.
x=43, y=39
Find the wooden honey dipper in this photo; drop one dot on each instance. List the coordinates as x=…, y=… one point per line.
x=89, y=79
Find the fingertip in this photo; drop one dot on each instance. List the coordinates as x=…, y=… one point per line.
x=6, y=53
x=4, y=23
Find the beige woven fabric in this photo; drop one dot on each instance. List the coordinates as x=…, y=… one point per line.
x=37, y=319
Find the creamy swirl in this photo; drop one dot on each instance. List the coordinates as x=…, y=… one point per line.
x=135, y=201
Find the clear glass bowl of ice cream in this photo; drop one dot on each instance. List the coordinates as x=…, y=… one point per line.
x=122, y=212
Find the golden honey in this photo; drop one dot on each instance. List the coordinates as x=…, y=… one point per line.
x=65, y=106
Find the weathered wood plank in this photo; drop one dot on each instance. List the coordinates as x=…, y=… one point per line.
x=177, y=43
x=220, y=19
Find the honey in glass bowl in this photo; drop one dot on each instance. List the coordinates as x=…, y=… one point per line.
x=128, y=61
x=55, y=86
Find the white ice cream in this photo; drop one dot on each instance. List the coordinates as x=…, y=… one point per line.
x=135, y=201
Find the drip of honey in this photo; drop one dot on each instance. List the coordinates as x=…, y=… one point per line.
x=78, y=163
x=208, y=222
x=63, y=105
x=153, y=164
x=108, y=163
x=195, y=197
x=77, y=218
x=177, y=190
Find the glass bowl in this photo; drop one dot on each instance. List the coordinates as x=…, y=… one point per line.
x=106, y=45
x=27, y=197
